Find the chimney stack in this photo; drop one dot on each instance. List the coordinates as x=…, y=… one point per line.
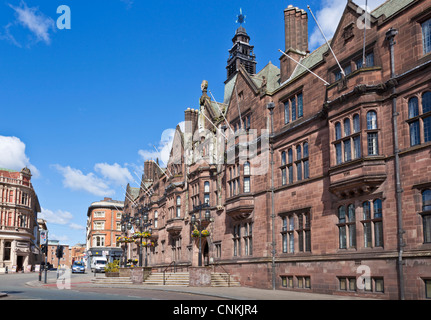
x=296, y=39
x=150, y=170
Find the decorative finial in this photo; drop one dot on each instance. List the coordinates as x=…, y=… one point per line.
x=204, y=86
x=240, y=17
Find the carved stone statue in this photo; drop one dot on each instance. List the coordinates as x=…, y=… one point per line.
x=204, y=86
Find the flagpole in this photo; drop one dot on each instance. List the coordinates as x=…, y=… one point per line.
x=327, y=83
x=342, y=71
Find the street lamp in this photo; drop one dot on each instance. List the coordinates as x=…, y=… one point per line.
x=193, y=221
x=126, y=224
x=143, y=223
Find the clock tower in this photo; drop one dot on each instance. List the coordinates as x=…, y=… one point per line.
x=241, y=52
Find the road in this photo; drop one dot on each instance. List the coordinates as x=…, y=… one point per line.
x=15, y=287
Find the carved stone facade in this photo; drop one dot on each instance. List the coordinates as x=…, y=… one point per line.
x=19, y=206
x=311, y=186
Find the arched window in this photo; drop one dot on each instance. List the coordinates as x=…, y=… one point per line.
x=247, y=177
x=247, y=167
x=337, y=131
x=373, y=220
x=156, y=219
x=378, y=223
x=352, y=225
x=178, y=212
x=413, y=107
x=426, y=214
x=377, y=208
x=298, y=163
x=426, y=200
x=305, y=161
x=372, y=138
x=426, y=102
x=305, y=149
x=206, y=186
x=207, y=192
x=342, y=227
x=415, y=137
x=426, y=107
x=371, y=120
x=290, y=164
x=366, y=207
x=356, y=123
x=283, y=169
x=346, y=127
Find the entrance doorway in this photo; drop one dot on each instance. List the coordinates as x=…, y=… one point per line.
x=19, y=262
x=205, y=253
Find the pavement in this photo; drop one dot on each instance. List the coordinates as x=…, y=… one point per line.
x=231, y=293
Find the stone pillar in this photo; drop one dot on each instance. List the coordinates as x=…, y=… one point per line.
x=200, y=276
x=137, y=275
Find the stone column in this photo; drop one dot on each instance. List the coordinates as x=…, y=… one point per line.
x=200, y=276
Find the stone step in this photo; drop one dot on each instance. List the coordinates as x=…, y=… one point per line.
x=171, y=279
x=111, y=280
x=219, y=279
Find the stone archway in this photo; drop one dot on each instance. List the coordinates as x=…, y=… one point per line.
x=204, y=252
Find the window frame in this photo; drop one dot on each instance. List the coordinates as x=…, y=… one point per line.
x=426, y=39
x=293, y=107
x=347, y=135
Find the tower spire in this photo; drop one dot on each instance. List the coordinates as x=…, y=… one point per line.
x=241, y=51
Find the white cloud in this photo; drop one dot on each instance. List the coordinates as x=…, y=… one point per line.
x=63, y=238
x=12, y=155
x=32, y=19
x=331, y=12
x=75, y=226
x=57, y=217
x=164, y=146
x=129, y=3
x=74, y=179
x=114, y=173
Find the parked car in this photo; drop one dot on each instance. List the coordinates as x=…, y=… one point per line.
x=78, y=267
x=98, y=264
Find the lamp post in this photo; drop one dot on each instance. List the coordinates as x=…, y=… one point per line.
x=143, y=222
x=193, y=221
x=126, y=224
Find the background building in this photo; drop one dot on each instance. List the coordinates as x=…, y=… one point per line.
x=19, y=206
x=78, y=252
x=103, y=227
x=65, y=261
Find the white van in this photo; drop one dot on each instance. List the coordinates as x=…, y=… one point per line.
x=98, y=264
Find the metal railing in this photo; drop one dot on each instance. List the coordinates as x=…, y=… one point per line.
x=228, y=274
x=164, y=271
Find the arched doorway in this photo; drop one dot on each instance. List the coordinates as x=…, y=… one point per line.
x=205, y=254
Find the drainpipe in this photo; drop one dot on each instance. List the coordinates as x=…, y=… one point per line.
x=270, y=107
x=390, y=35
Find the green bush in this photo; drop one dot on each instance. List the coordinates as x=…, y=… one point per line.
x=112, y=266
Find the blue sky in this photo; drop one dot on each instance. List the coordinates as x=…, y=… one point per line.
x=83, y=108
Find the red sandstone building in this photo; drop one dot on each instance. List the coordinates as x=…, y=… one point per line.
x=313, y=184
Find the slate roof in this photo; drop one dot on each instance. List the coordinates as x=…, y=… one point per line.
x=272, y=77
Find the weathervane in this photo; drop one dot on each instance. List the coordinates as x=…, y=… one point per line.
x=240, y=17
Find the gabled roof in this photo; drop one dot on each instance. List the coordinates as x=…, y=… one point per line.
x=133, y=192
x=390, y=7
x=309, y=62
x=272, y=77
x=228, y=89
